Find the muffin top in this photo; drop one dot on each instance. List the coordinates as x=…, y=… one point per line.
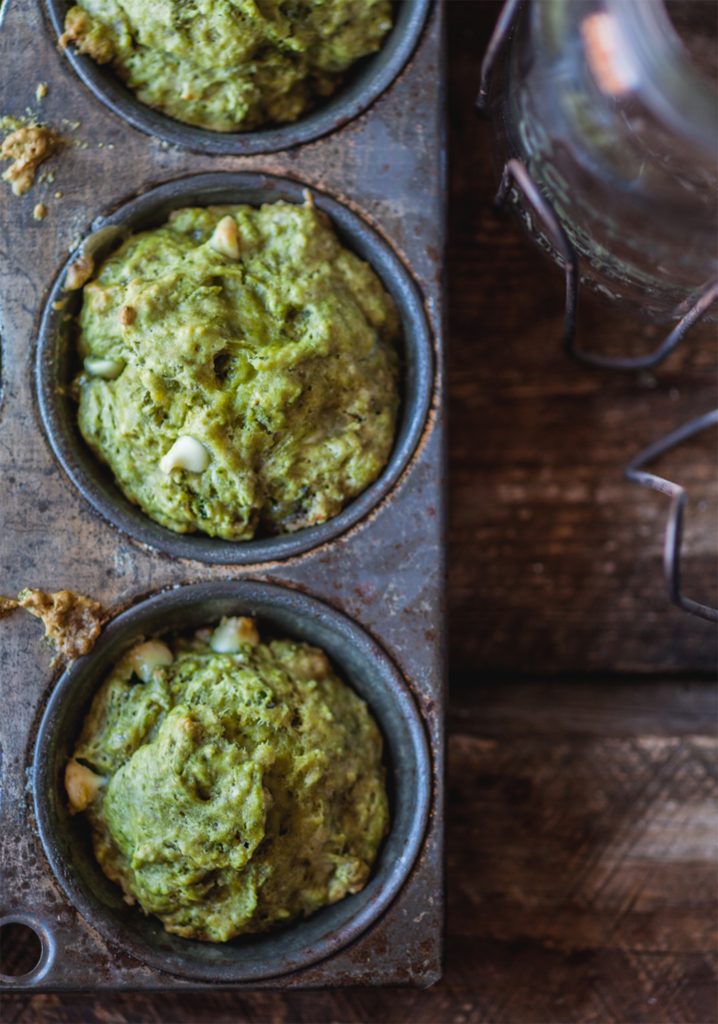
x=240, y=370
x=231, y=785
x=229, y=65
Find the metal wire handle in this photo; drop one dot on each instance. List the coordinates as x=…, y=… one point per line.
x=515, y=172
x=674, y=530
x=501, y=30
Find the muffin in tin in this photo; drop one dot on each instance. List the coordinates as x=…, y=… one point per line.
x=232, y=785
x=240, y=371
x=229, y=65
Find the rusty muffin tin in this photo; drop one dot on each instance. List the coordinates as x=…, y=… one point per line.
x=367, y=586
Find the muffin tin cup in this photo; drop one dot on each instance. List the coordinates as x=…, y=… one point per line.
x=56, y=364
x=366, y=81
x=358, y=660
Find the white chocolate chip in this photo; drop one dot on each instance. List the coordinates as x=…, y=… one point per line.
x=225, y=238
x=232, y=633
x=99, y=366
x=81, y=784
x=147, y=656
x=185, y=453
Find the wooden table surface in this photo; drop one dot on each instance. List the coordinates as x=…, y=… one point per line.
x=581, y=828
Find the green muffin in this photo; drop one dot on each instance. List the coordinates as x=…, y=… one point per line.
x=229, y=65
x=240, y=370
x=231, y=785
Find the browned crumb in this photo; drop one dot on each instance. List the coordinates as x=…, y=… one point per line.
x=27, y=147
x=40, y=211
x=72, y=621
x=7, y=606
x=80, y=30
x=41, y=91
x=79, y=271
x=127, y=315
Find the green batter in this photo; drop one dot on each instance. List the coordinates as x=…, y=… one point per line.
x=229, y=65
x=231, y=785
x=240, y=370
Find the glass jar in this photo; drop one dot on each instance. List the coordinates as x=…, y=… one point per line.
x=612, y=107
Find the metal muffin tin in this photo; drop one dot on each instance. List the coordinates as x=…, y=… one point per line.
x=56, y=365
x=368, y=588
x=363, y=83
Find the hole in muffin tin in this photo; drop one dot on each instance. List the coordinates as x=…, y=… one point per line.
x=358, y=660
x=363, y=84
x=26, y=949
x=56, y=361
x=20, y=949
